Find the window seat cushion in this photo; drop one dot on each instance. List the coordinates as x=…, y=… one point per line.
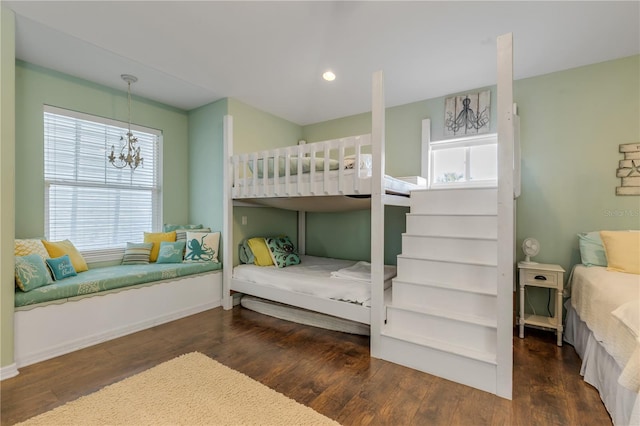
x=109, y=278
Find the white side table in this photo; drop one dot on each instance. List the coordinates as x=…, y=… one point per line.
x=547, y=276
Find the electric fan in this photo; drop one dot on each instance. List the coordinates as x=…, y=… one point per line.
x=530, y=247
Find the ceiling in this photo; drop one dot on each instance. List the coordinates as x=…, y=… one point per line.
x=271, y=55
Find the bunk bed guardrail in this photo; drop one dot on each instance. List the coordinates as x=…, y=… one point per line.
x=333, y=167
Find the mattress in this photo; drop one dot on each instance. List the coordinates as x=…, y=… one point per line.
x=313, y=277
x=348, y=181
x=597, y=296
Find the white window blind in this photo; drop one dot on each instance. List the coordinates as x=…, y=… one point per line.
x=89, y=201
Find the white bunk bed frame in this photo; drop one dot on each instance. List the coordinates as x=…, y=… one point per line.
x=314, y=191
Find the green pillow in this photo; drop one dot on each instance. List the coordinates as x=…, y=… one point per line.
x=31, y=272
x=282, y=251
x=591, y=249
x=61, y=267
x=171, y=252
x=168, y=227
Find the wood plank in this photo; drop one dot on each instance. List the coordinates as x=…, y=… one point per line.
x=628, y=190
x=632, y=155
x=630, y=147
x=330, y=371
x=631, y=181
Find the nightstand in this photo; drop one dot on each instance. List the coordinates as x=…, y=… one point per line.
x=547, y=276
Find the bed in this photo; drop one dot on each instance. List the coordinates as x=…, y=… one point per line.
x=334, y=175
x=602, y=325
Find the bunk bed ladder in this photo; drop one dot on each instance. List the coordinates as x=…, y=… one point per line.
x=450, y=311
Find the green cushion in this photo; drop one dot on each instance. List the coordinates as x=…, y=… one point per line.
x=109, y=278
x=61, y=267
x=293, y=165
x=31, y=272
x=282, y=251
x=171, y=252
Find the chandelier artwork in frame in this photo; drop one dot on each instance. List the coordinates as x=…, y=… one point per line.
x=468, y=114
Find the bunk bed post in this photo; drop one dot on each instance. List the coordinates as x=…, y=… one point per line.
x=425, y=161
x=506, y=221
x=302, y=232
x=227, y=212
x=377, y=211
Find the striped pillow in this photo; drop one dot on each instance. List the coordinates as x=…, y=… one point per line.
x=137, y=253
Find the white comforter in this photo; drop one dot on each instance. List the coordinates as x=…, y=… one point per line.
x=312, y=276
x=595, y=294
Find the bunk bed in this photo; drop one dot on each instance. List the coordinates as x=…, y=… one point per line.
x=336, y=175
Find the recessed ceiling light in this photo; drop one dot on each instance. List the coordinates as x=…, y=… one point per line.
x=329, y=76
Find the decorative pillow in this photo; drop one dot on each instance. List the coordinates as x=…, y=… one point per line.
x=61, y=267
x=181, y=234
x=156, y=238
x=245, y=254
x=170, y=227
x=282, y=251
x=24, y=247
x=171, y=252
x=623, y=250
x=31, y=272
x=60, y=248
x=202, y=246
x=629, y=315
x=260, y=251
x=137, y=253
x=366, y=161
x=591, y=249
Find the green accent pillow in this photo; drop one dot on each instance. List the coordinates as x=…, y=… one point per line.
x=137, y=253
x=61, y=267
x=171, y=252
x=31, y=272
x=168, y=227
x=282, y=251
x=591, y=249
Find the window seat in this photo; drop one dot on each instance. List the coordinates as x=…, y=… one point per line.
x=108, y=278
x=108, y=302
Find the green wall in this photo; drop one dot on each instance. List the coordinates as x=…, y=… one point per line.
x=254, y=130
x=36, y=86
x=7, y=176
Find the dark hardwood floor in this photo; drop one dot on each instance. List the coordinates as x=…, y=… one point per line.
x=328, y=371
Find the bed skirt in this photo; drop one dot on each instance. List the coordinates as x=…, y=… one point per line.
x=600, y=370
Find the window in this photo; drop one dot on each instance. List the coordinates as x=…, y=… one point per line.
x=470, y=161
x=88, y=201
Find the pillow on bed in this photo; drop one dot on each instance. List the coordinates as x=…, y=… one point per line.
x=260, y=251
x=245, y=254
x=623, y=250
x=31, y=272
x=293, y=165
x=202, y=246
x=366, y=161
x=591, y=249
x=282, y=251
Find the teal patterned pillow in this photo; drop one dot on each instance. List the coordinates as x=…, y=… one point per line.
x=282, y=251
x=168, y=227
x=61, y=267
x=31, y=272
x=171, y=252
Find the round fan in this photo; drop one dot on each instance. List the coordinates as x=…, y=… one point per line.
x=530, y=247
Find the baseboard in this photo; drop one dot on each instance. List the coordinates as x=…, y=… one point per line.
x=8, y=371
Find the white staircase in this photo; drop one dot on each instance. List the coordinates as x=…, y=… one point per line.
x=442, y=316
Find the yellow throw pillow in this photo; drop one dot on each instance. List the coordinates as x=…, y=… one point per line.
x=260, y=251
x=623, y=250
x=156, y=238
x=60, y=248
x=25, y=247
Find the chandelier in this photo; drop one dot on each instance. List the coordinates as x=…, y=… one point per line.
x=129, y=150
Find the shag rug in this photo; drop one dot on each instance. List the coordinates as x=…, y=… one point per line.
x=191, y=389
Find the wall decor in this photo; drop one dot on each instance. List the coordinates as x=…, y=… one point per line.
x=629, y=170
x=467, y=114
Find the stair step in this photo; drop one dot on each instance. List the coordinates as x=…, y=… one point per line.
x=460, y=225
x=455, y=201
x=457, y=287
x=441, y=346
x=436, y=296
x=467, y=331
x=474, y=276
x=466, y=367
x=483, y=250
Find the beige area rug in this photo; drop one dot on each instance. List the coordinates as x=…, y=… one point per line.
x=191, y=389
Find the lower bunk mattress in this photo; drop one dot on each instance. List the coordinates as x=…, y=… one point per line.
x=318, y=277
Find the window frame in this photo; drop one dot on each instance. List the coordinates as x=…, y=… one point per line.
x=107, y=254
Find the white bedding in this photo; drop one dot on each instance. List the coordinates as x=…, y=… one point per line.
x=312, y=277
x=595, y=294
